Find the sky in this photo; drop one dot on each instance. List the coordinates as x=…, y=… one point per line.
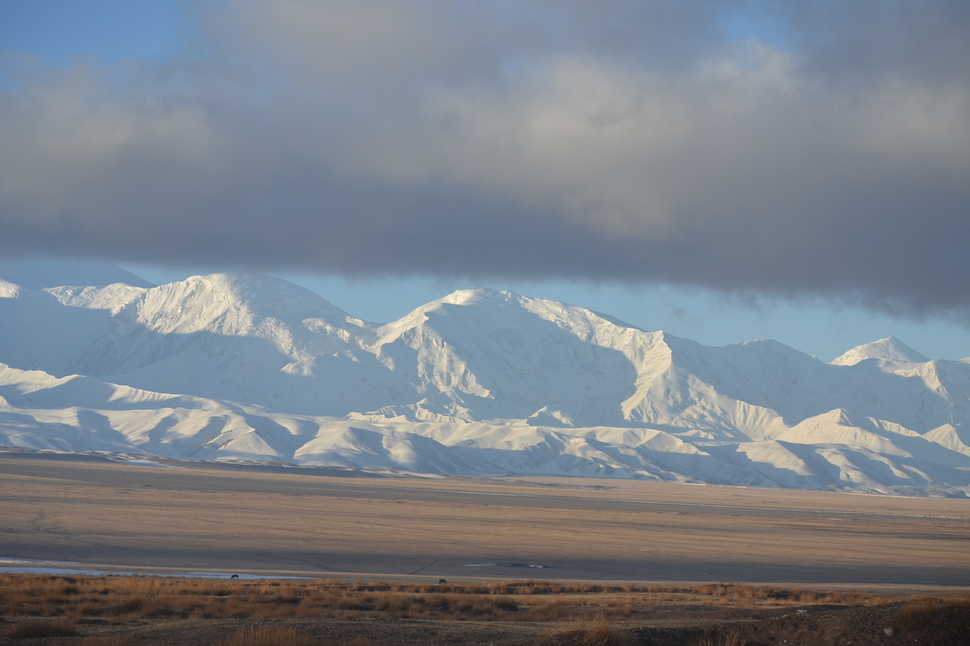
x=722, y=170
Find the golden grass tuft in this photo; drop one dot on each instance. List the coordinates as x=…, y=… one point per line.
x=587, y=631
x=598, y=632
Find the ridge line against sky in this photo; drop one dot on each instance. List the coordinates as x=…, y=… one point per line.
x=812, y=158
x=709, y=318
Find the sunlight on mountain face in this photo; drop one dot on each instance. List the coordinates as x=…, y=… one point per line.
x=480, y=382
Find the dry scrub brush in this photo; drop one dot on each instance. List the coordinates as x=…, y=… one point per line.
x=123, y=599
x=591, y=631
x=935, y=621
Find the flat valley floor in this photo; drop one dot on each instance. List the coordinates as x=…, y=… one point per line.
x=345, y=524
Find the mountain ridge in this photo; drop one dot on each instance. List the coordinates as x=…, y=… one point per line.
x=479, y=382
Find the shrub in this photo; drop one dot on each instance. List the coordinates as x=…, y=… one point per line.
x=600, y=633
x=587, y=632
x=936, y=621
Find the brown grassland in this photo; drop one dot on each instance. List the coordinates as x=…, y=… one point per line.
x=125, y=610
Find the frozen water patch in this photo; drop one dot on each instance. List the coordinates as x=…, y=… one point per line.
x=226, y=575
x=170, y=575
x=63, y=571
x=149, y=463
x=11, y=565
x=10, y=561
x=411, y=474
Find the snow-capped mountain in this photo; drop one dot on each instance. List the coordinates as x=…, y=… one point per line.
x=888, y=350
x=480, y=382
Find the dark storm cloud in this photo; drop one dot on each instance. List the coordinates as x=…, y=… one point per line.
x=826, y=153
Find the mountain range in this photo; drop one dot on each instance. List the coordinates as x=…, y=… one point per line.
x=248, y=367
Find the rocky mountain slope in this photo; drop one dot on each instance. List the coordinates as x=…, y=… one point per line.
x=480, y=382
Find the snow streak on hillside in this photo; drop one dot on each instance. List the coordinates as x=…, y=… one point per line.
x=481, y=382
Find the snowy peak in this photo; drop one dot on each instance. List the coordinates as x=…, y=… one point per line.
x=491, y=309
x=113, y=298
x=508, y=308
x=8, y=289
x=888, y=350
x=494, y=297
x=500, y=355
x=235, y=305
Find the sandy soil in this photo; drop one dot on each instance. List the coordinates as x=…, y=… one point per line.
x=326, y=523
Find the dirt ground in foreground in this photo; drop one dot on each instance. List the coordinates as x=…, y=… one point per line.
x=682, y=626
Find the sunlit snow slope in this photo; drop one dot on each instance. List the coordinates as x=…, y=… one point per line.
x=481, y=382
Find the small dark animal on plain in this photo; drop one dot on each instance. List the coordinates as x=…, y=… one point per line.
x=234, y=576
x=442, y=581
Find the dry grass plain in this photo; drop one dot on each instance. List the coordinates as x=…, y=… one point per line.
x=328, y=523
x=81, y=610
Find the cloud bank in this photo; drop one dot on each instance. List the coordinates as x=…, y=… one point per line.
x=820, y=149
